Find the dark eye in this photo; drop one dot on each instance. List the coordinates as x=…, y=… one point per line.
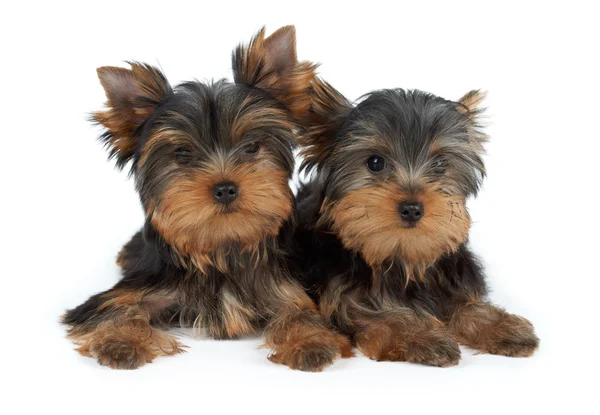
x=376, y=163
x=183, y=155
x=439, y=165
x=252, y=148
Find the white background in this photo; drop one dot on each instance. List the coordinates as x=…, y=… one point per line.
x=66, y=211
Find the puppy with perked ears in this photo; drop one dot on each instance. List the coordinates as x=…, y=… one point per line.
x=211, y=163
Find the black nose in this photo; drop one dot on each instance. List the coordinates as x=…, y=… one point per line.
x=411, y=211
x=225, y=192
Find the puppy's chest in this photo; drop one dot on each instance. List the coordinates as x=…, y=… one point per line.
x=430, y=290
x=224, y=305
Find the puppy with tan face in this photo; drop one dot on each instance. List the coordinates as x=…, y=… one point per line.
x=383, y=226
x=211, y=163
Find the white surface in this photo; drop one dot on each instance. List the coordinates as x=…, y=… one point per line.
x=66, y=211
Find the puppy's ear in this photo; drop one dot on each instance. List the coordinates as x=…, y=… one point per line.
x=328, y=109
x=271, y=64
x=132, y=96
x=471, y=105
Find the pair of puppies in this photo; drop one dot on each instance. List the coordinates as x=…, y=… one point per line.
x=373, y=255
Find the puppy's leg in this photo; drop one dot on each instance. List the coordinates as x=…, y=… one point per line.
x=114, y=327
x=404, y=335
x=490, y=329
x=298, y=336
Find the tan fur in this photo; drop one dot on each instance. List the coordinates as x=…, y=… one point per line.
x=271, y=64
x=133, y=95
x=470, y=104
x=157, y=137
x=367, y=221
x=122, y=258
x=490, y=329
x=298, y=336
x=471, y=101
x=198, y=228
x=330, y=300
x=126, y=343
x=237, y=316
x=402, y=335
x=122, y=298
x=126, y=340
x=254, y=117
x=300, y=341
x=152, y=302
x=327, y=109
x=290, y=295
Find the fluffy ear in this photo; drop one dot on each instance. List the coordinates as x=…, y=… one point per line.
x=271, y=64
x=471, y=102
x=132, y=96
x=327, y=111
x=471, y=105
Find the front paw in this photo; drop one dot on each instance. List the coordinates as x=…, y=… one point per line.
x=433, y=347
x=434, y=350
x=513, y=337
x=306, y=356
x=121, y=355
x=490, y=329
x=312, y=354
x=125, y=345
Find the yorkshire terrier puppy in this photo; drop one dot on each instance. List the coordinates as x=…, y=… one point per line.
x=383, y=227
x=211, y=164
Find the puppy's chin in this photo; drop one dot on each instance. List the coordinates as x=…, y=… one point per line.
x=227, y=209
x=197, y=227
x=367, y=222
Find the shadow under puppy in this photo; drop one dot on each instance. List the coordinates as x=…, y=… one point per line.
x=211, y=163
x=383, y=227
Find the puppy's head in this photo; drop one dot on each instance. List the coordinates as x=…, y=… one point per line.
x=396, y=171
x=211, y=161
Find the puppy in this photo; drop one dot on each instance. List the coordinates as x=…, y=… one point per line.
x=383, y=227
x=211, y=164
